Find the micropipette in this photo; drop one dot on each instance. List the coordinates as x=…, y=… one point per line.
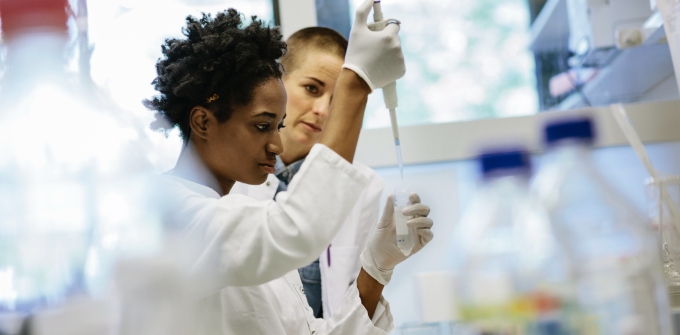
x=389, y=91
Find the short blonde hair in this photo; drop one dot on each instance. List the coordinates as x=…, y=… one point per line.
x=312, y=38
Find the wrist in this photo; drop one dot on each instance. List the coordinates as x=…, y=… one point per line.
x=370, y=291
x=352, y=82
x=380, y=274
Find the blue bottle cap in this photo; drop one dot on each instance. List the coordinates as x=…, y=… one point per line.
x=577, y=129
x=504, y=162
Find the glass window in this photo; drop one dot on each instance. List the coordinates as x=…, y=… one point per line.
x=127, y=35
x=465, y=59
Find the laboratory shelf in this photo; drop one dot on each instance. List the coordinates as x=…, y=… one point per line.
x=655, y=122
x=631, y=75
x=550, y=30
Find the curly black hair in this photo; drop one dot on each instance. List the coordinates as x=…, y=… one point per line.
x=218, y=66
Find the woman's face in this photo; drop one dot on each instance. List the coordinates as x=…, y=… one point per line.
x=244, y=147
x=310, y=88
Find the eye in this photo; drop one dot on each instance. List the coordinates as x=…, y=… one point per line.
x=312, y=89
x=281, y=126
x=262, y=126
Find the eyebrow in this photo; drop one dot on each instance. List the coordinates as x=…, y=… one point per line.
x=318, y=81
x=267, y=114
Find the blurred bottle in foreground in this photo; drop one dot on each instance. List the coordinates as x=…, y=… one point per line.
x=75, y=191
x=513, y=277
x=620, y=285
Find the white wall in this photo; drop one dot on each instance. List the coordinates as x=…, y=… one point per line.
x=295, y=15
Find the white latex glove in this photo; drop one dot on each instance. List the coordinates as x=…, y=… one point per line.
x=382, y=253
x=374, y=55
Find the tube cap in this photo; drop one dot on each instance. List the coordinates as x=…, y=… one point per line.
x=578, y=129
x=504, y=162
x=18, y=15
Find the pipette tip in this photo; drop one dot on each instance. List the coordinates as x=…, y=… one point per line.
x=397, y=147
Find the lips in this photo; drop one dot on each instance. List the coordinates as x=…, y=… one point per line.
x=311, y=126
x=268, y=168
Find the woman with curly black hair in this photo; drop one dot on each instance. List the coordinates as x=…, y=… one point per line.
x=221, y=85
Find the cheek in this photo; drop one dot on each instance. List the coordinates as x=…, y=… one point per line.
x=298, y=105
x=236, y=147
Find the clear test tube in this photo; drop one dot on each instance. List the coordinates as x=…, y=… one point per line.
x=404, y=233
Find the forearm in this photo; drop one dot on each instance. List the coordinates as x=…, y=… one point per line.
x=370, y=292
x=346, y=115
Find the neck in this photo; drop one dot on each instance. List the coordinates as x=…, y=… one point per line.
x=190, y=166
x=293, y=151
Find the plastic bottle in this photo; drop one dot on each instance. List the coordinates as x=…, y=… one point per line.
x=618, y=276
x=75, y=192
x=513, y=276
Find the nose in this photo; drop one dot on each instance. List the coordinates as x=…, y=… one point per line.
x=322, y=106
x=275, y=146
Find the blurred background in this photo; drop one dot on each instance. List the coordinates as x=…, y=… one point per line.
x=466, y=60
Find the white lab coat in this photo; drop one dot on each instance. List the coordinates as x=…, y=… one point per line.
x=347, y=244
x=280, y=307
x=237, y=240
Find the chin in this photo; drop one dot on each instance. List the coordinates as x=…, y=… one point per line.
x=307, y=140
x=255, y=179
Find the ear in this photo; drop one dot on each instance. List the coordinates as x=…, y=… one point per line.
x=200, y=119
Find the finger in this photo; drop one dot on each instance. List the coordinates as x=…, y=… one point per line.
x=426, y=236
x=414, y=197
x=392, y=28
x=416, y=209
x=418, y=223
x=388, y=212
x=362, y=12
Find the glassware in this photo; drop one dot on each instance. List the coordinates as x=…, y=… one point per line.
x=75, y=188
x=405, y=234
x=667, y=227
x=620, y=285
x=666, y=224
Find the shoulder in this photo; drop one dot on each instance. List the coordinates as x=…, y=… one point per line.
x=179, y=191
x=174, y=186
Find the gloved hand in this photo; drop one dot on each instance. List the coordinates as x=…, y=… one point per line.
x=382, y=253
x=374, y=55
